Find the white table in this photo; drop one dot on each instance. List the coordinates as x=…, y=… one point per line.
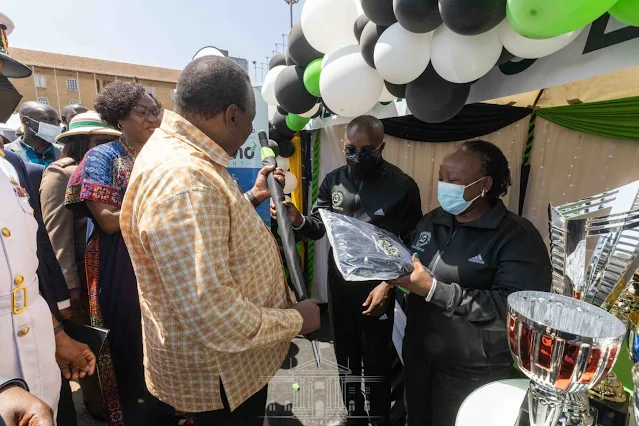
x=494, y=404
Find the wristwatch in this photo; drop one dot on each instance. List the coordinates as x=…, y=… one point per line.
x=249, y=195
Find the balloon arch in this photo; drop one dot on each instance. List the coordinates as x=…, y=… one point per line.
x=347, y=56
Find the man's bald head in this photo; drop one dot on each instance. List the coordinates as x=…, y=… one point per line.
x=33, y=113
x=71, y=111
x=364, y=131
x=31, y=108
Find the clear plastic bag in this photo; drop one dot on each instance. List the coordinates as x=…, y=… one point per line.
x=364, y=252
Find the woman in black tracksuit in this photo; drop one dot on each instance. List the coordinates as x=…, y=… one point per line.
x=478, y=253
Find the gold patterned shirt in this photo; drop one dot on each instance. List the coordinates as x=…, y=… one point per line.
x=213, y=294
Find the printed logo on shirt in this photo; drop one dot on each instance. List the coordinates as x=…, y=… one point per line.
x=423, y=240
x=383, y=317
x=477, y=259
x=337, y=199
x=387, y=246
x=379, y=212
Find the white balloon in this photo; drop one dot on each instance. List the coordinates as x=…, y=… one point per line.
x=386, y=95
x=328, y=24
x=401, y=56
x=339, y=53
x=527, y=48
x=349, y=86
x=311, y=112
x=208, y=51
x=268, y=87
x=462, y=59
x=283, y=163
x=291, y=182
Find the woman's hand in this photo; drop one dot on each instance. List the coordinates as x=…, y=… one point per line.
x=418, y=282
x=377, y=300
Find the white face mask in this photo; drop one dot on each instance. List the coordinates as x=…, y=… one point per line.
x=46, y=131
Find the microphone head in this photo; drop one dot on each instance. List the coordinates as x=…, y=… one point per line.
x=262, y=134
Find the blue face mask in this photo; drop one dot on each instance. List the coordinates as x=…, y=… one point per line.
x=451, y=197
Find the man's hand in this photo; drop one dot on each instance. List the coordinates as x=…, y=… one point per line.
x=19, y=408
x=418, y=282
x=260, y=189
x=311, y=315
x=293, y=213
x=75, y=359
x=377, y=300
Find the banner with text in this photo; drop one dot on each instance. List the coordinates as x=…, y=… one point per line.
x=604, y=46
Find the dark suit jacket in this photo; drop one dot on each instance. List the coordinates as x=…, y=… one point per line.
x=52, y=284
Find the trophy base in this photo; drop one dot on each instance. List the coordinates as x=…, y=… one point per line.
x=604, y=414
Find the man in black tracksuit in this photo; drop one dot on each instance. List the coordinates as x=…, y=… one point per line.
x=372, y=190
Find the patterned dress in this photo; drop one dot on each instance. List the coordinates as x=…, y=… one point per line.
x=103, y=176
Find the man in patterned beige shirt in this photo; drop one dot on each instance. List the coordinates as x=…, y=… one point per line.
x=217, y=315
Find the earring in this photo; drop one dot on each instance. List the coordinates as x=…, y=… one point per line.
x=119, y=126
x=483, y=192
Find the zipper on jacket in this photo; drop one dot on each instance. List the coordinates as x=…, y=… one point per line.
x=361, y=184
x=439, y=255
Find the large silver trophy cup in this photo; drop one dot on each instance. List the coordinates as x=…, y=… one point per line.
x=565, y=346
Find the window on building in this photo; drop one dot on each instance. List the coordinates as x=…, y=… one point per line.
x=43, y=100
x=74, y=102
x=72, y=84
x=173, y=94
x=150, y=90
x=40, y=81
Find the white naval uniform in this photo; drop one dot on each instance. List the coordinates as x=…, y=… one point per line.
x=27, y=343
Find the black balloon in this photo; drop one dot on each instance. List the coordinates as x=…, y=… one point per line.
x=418, y=16
x=506, y=56
x=274, y=146
x=359, y=25
x=288, y=59
x=398, y=90
x=432, y=99
x=472, y=17
x=286, y=148
x=299, y=49
x=279, y=122
x=291, y=93
x=380, y=11
x=326, y=109
x=368, y=40
x=273, y=133
x=277, y=60
x=281, y=110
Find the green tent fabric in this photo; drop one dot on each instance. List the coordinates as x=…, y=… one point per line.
x=618, y=119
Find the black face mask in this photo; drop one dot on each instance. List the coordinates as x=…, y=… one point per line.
x=364, y=168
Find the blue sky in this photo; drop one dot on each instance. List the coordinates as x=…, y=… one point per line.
x=164, y=33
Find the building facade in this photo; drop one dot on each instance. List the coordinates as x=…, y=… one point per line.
x=61, y=80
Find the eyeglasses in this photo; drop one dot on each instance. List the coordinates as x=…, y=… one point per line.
x=144, y=112
x=355, y=154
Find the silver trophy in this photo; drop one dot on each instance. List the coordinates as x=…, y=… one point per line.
x=565, y=346
x=613, y=218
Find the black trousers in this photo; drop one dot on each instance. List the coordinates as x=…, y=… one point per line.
x=434, y=396
x=361, y=341
x=250, y=413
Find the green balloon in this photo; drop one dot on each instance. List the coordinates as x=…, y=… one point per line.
x=312, y=77
x=626, y=11
x=296, y=122
x=550, y=18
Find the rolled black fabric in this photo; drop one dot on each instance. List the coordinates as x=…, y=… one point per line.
x=299, y=49
x=473, y=121
x=291, y=93
x=472, y=17
x=368, y=40
x=418, y=16
x=277, y=60
x=380, y=11
x=359, y=25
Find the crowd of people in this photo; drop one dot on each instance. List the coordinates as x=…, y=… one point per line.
x=125, y=218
